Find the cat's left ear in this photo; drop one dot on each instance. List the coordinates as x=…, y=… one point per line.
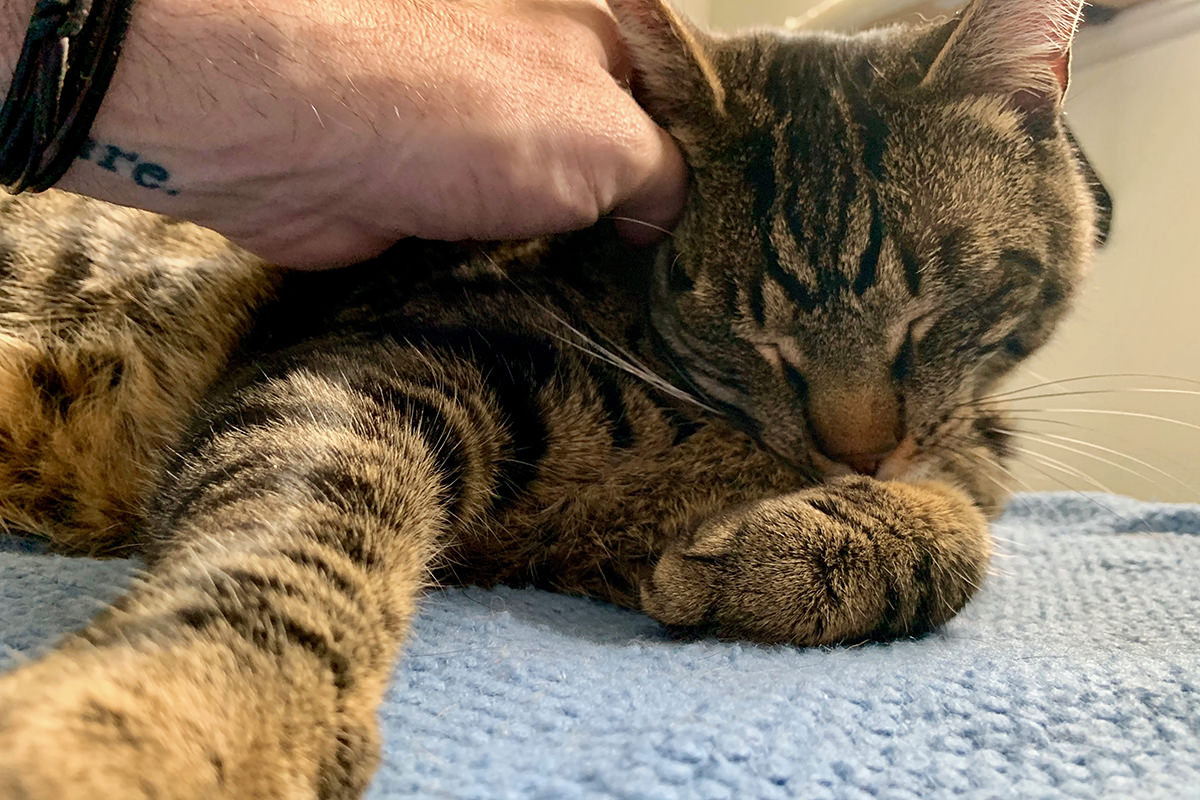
x=1019, y=49
x=673, y=75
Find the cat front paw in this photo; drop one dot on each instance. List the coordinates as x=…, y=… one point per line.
x=846, y=561
x=185, y=724
x=69, y=732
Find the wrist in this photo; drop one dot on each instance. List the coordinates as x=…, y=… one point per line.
x=189, y=93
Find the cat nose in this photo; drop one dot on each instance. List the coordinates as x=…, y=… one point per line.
x=864, y=463
x=856, y=425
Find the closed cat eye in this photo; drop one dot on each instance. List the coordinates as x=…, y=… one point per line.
x=796, y=380
x=906, y=353
x=903, y=363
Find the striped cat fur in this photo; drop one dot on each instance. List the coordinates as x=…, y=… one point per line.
x=767, y=428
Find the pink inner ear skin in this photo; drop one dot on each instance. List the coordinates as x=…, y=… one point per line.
x=1018, y=48
x=1061, y=67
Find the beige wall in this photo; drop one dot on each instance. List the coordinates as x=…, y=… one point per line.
x=698, y=10
x=1138, y=117
x=730, y=15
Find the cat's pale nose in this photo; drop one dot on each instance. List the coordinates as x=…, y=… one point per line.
x=856, y=425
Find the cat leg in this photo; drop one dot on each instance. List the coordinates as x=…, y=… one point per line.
x=850, y=560
x=289, y=545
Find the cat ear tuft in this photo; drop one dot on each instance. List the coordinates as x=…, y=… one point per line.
x=1017, y=48
x=673, y=76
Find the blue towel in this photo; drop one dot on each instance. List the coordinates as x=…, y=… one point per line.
x=1074, y=673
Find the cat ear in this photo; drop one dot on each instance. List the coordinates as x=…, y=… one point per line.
x=1020, y=49
x=673, y=77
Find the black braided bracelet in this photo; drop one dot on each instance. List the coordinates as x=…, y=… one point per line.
x=66, y=64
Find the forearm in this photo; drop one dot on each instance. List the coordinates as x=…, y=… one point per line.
x=112, y=164
x=317, y=132
x=181, y=101
x=217, y=105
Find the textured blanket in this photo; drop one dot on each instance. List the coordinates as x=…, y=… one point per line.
x=1074, y=673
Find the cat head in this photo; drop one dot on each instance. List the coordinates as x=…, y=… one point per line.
x=880, y=227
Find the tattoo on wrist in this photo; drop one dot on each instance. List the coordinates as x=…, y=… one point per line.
x=146, y=174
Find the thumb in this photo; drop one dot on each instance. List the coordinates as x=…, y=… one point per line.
x=655, y=190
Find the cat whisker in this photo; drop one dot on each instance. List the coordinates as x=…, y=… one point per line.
x=1010, y=488
x=1082, y=392
x=989, y=461
x=1109, y=412
x=962, y=577
x=601, y=353
x=681, y=372
x=1062, y=466
x=1099, y=459
x=1079, y=378
x=641, y=222
x=1034, y=420
x=1043, y=438
x=1066, y=468
x=622, y=360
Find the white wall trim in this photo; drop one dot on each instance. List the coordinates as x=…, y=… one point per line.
x=1135, y=29
x=1140, y=26
x=851, y=15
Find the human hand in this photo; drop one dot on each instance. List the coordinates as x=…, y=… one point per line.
x=319, y=132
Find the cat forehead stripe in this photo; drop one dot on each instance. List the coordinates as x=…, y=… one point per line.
x=819, y=234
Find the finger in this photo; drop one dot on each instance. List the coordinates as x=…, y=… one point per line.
x=610, y=49
x=653, y=206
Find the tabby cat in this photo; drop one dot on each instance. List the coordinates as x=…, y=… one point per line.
x=771, y=427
